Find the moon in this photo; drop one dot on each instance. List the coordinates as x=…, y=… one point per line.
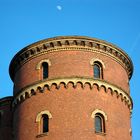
x=59, y=7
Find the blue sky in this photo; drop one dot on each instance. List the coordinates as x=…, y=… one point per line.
x=23, y=22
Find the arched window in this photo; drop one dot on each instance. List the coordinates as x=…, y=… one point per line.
x=42, y=120
x=45, y=69
x=97, y=70
x=99, y=123
x=45, y=123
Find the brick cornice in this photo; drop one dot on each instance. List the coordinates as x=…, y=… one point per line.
x=63, y=43
x=31, y=90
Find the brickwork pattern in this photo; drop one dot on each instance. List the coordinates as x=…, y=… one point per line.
x=70, y=103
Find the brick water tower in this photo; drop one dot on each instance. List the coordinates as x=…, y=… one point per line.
x=71, y=88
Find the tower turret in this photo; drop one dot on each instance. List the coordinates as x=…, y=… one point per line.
x=71, y=88
x=6, y=118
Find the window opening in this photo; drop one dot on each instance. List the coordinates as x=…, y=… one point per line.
x=99, y=123
x=97, y=70
x=45, y=121
x=45, y=70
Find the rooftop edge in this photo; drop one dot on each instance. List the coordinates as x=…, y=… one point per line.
x=49, y=44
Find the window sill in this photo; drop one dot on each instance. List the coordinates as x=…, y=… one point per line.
x=42, y=135
x=100, y=133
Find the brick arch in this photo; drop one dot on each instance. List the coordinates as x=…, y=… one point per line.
x=97, y=60
x=100, y=112
x=39, y=115
x=38, y=66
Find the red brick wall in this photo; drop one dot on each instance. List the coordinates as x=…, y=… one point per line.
x=71, y=111
x=71, y=108
x=71, y=63
x=6, y=123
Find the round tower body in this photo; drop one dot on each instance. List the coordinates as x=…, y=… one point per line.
x=71, y=88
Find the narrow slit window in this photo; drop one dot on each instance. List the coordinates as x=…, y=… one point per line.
x=45, y=123
x=99, y=124
x=45, y=69
x=97, y=70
